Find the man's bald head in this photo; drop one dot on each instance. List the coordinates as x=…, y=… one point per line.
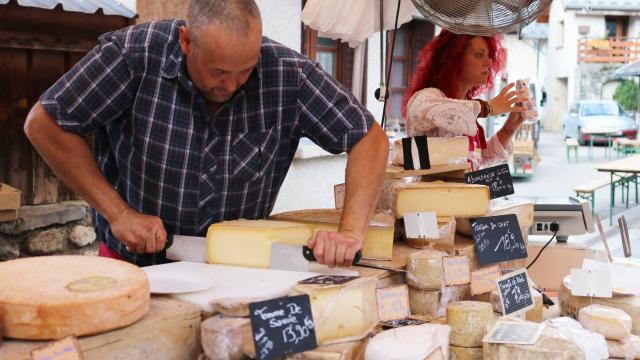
x=235, y=16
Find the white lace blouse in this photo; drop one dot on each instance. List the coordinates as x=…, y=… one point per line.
x=431, y=113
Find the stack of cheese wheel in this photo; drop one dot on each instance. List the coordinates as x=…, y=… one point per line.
x=468, y=321
x=50, y=297
x=615, y=325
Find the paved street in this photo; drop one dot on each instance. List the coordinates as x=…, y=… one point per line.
x=555, y=177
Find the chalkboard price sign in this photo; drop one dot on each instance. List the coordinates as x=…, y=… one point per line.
x=497, y=178
x=282, y=327
x=327, y=279
x=498, y=238
x=515, y=292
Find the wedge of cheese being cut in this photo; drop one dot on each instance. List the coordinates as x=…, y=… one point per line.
x=613, y=323
x=344, y=312
x=378, y=243
x=424, y=270
x=443, y=198
x=248, y=242
x=468, y=321
x=442, y=150
x=463, y=353
x=426, y=341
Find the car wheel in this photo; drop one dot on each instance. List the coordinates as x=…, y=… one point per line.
x=581, y=139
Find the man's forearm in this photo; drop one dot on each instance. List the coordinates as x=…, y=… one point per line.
x=364, y=175
x=71, y=160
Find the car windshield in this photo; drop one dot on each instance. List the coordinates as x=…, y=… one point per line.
x=595, y=109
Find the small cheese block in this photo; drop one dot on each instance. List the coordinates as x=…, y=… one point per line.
x=442, y=150
x=613, y=323
x=344, y=312
x=50, y=297
x=522, y=208
x=445, y=239
x=433, y=303
x=468, y=320
x=443, y=198
x=426, y=341
x=463, y=353
x=552, y=345
x=593, y=344
x=570, y=305
x=226, y=338
x=378, y=242
x=232, y=307
x=627, y=349
x=534, y=315
x=343, y=351
x=248, y=242
x=424, y=270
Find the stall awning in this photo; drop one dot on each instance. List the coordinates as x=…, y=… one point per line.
x=126, y=8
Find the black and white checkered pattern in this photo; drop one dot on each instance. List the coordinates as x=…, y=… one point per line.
x=156, y=142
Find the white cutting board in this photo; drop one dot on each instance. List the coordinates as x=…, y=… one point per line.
x=234, y=282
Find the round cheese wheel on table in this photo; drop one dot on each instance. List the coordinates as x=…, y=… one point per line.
x=50, y=297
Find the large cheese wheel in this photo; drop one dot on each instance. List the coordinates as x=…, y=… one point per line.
x=426, y=341
x=613, y=323
x=424, y=270
x=50, y=297
x=468, y=321
x=463, y=353
x=226, y=338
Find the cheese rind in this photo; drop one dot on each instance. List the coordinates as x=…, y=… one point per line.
x=248, y=242
x=463, y=353
x=442, y=150
x=570, y=305
x=445, y=239
x=344, y=312
x=468, y=321
x=378, y=242
x=627, y=349
x=226, y=338
x=552, y=344
x=522, y=208
x=613, y=323
x=232, y=307
x=443, y=198
x=342, y=351
x=424, y=302
x=410, y=342
x=424, y=270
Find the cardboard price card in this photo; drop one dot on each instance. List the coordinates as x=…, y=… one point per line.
x=484, y=280
x=63, y=349
x=524, y=333
x=393, y=302
x=282, y=327
x=456, y=270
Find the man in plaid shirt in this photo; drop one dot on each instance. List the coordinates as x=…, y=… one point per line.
x=196, y=123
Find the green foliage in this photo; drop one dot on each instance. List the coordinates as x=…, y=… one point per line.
x=627, y=94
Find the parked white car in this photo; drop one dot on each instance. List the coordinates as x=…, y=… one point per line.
x=601, y=115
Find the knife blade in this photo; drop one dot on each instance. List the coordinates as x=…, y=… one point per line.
x=187, y=248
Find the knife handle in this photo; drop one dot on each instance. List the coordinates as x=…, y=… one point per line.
x=308, y=254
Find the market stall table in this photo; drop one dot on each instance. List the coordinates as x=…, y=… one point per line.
x=606, y=133
x=626, y=169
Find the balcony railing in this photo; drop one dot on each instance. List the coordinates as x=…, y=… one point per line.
x=612, y=50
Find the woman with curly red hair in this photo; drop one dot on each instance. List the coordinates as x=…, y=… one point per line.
x=440, y=102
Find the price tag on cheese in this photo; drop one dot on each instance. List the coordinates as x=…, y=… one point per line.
x=497, y=178
x=484, y=280
x=421, y=225
x=456, y=270
x=498, y=238
x=515, y=292
x=282, y=327
x=393, y=302
x=505, y=332
x=64, y=349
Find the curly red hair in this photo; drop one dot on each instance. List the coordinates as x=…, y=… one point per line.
x=440, y=61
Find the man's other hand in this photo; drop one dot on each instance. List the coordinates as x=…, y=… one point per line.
x=139, y=233
x=335, y=248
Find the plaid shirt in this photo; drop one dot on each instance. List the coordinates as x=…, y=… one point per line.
x=161, y=149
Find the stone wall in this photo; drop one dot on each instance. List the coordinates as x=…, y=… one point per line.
x=54, y=229
x=592, y=78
